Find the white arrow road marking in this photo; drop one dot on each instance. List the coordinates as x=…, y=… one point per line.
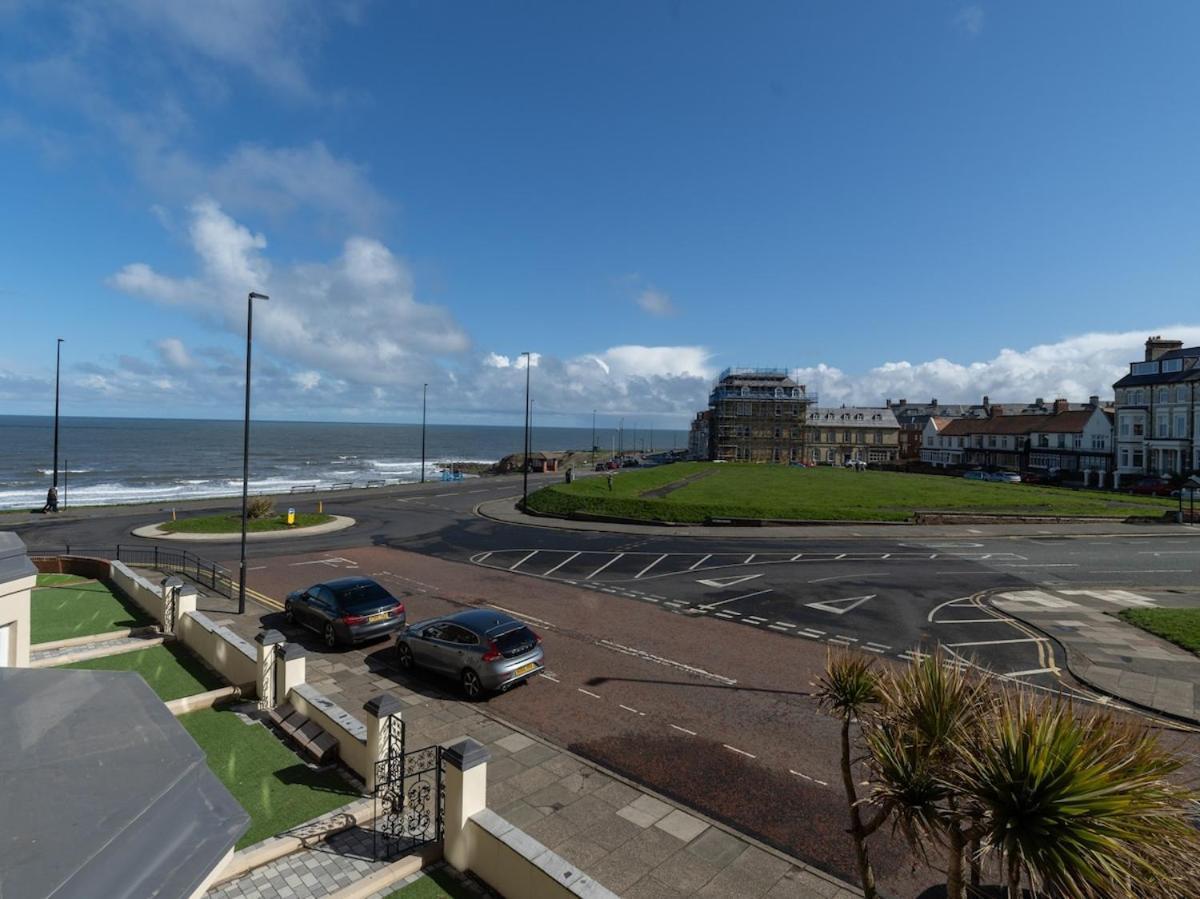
x=841, y=606
x=728, y=581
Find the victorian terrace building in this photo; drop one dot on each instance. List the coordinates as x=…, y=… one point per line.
x=853, y=434
x=1158, y=411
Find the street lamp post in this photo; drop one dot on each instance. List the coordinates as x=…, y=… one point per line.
x=250, y=298
x=57, y=370
x=424, y=396
x=593, y=437
x=525, y=467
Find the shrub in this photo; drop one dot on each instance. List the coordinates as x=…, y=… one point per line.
x=260, y=507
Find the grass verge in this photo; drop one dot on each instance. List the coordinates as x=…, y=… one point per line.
x=64, y=606
x=822, y=494
x=232, y=524
x=171, y=671
x=1180, y=626
x=268, y=780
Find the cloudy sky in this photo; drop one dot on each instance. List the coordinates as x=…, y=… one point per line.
x=935, y=200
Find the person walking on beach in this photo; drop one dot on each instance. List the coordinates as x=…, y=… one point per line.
x=51, y=501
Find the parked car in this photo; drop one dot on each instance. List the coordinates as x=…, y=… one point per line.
x=347, y=610
x=601, y=466
x=976, y=476
x=1004, y=477
x=482, y=649
x=1151, y=487
x=1187, y=494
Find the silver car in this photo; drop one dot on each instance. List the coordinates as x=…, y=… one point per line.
x=483, y=650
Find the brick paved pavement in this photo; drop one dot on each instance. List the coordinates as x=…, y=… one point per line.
x=340, y=861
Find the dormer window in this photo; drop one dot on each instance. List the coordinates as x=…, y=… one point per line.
x=745, y=391
x=779, y=393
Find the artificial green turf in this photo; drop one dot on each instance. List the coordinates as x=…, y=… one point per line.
x=822, y=493
x=171, y=671
x=230, y=524
x=436, y=884
x=270, y=782
x=78, y=608
x=1180, y=626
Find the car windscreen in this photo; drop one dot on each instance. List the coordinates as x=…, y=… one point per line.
x=515, y=642
x=361, y=597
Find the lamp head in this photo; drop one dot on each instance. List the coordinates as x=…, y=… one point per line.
x=258, y=296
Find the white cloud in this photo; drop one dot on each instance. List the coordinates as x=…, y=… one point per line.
x=354, y=317
x=306, y=380
x=970, y=19
x=1075, y=367
x=174, y=353
x=495, y=360
x=655, y=302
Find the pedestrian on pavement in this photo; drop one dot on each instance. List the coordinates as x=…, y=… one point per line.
x=51, y=501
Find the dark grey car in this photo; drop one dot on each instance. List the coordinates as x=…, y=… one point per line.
x=481, y=649
x=347, y=610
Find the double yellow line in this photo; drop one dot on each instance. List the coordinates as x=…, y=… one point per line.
x=261, y=598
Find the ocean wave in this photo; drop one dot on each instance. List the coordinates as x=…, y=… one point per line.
x=50, y=471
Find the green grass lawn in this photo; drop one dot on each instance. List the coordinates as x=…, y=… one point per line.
x=64, y=605
x=1180, y=626
x=270, y=781
x=171, y=671
x=826, y=494
x=232, y=524
x=439, y=883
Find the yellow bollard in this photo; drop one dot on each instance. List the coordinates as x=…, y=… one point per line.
x=172, y=514
x=291, y=518
x=320, y=506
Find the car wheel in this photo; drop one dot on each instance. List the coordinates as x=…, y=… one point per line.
x=471, y=684
x=289, y=613
x=330, y=636
x=404, y=657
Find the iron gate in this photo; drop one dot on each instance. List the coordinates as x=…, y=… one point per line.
x=408, y=794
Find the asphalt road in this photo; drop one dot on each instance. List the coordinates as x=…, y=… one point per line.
x=685, y=662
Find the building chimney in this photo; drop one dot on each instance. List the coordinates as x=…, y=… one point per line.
x=1061, y=405
x=888, y=403
x=1094, y=402
x=933, y=402
x=1039, y=402
x=903, y=402
x=1156, y=347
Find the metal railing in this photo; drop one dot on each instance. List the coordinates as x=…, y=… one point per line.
x=161, y=558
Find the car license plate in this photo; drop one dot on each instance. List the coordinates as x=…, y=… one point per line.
x=378, y=616
x=525, y=669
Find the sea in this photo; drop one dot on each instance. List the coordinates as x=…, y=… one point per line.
x=106, y=461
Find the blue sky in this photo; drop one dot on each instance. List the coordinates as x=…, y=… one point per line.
x=939, y=199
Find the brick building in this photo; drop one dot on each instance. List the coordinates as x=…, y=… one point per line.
x=757, y=415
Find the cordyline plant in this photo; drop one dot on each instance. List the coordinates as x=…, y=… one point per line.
x=1076, y=803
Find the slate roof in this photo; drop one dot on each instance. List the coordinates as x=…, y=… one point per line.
x=1188, y=373
x=1057, y=423
x=104, y=792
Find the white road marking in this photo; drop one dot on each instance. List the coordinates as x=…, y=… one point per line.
x=786, y=624
x=815, y=632
x=1037, y=564
x=739, y=751
x=839, y=557
x=835, y=605
x=728, y=581
x=522, y=616
x=874, y=649
x=690, y=733
x=776, y=627
x=660, y=660
x=517, y=565
x=755, y=619
x=479, y=560
x=1031, y=600
x=605, y=565
x=701, y=562
x=588, y=693
x=713, y=605
x=561, y=564
x=1116, y=597
x=1032, y=671
x=975, y=620
x=631, y=709
x=727, y=615
x=998, y=642
x=648, y=567
x=440, y=495
x=797, y=556
x=842, y=577
x=807, y=634
x=750, y=558
x=548, y=677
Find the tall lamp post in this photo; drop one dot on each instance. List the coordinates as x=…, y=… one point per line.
x=250, y=298
x=525, y=467
x=593, y=437
x=57, y=370
x=424, y=397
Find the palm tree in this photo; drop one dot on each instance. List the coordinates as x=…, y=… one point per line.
x=1080, y=802
x=928, y=712
x=847, y=690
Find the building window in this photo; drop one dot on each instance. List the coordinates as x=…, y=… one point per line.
x=1139, y=429
x=1077, y=441
x=991, y=441
x=1180, y=425
x=778, y=432
x=1139, y=459
x=1043, y=440
x=1124, y=425
x=1098, y=442
x=777, y=411
x=743, y=408
x=1062, y=441
x=1139, y=398
x=1164, y=426
x=1124, y=458
x=1169, y=365
x=1164, y=395
x=745, y=391
x=1180, y=392
x=1145, y=368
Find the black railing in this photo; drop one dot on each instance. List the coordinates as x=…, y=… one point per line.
x=161, y=558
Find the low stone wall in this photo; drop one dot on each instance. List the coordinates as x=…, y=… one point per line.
x=221, y=649
x=83, y=566
x=138, y=589
x=513, y=863
x=350, y=733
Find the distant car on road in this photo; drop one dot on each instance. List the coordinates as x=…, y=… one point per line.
x=975, y=476
x=1151, y=487
x=1004, y=477
x=347, y=610
x=483, y=650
